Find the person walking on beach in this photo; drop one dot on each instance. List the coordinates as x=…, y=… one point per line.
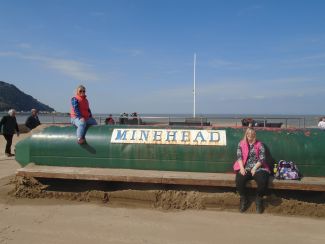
x=80, y=113
x=251, y=165
x=33, y=121
x=9, y=125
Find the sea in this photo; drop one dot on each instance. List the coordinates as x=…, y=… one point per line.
x=288, y=121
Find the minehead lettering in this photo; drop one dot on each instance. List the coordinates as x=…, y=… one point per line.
x=199, y=136
x=157, y=135
x=170, y=136
x=144, y=135
x=186, y=135
x=214, y=136
x=133, y=135
x=121, y=135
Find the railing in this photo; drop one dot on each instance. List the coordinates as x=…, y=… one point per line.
x=287, y=121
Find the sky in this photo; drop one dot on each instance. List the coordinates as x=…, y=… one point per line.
x=252, y=56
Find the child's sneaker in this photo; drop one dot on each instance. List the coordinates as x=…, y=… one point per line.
x=81, y=141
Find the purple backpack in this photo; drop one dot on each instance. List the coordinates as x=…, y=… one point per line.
x=287, y=171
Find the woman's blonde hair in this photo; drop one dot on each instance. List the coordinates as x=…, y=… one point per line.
x=79, y=87
x=249, y=129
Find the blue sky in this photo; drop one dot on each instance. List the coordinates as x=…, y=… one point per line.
x=261, y=57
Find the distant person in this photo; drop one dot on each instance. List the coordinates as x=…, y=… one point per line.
x=10, y=126
x=80, y=113
x=251, y=165
x=134, y=115
x=247, y=122
x=321, y=123
x=135, y=118
x=109, y=120
x=33, y=121
x=124, y=117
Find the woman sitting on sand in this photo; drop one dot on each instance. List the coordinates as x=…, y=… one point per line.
x=250, y=165
x=80, y=113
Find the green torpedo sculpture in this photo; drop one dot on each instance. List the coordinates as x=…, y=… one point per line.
x=188, y=149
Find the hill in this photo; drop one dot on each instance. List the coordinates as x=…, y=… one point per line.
x=12, y=97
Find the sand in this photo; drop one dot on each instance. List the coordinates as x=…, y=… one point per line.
x=85, y=212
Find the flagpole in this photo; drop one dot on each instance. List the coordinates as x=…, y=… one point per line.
x=194, y=86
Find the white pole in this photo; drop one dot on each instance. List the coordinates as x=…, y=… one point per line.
x=194, y=86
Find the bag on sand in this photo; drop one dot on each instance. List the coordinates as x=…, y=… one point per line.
x=287, y=171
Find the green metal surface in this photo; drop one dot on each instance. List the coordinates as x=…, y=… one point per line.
x=57, y=146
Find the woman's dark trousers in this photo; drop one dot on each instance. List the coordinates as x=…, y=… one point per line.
x=261, y=177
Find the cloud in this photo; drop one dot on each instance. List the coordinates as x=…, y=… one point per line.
x=249, y=10
x=259, y=97
x=172, y=72
x=8, y=54
x=261, y=89
x=24, y=45
x=97, y=14
x=314, y=57
x=225, y=64
x=72, y=68
x=220, y=63
x=135, y=52
x=310, y=61
x=131, y=52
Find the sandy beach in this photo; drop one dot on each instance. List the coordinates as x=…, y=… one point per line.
x=149, y=215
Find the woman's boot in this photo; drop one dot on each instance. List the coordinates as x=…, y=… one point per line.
x=259, y=205
x=243, y=204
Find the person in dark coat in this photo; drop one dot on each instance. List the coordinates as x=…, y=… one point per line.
x=109, y=120
x=8, y=126
x=32, y=121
